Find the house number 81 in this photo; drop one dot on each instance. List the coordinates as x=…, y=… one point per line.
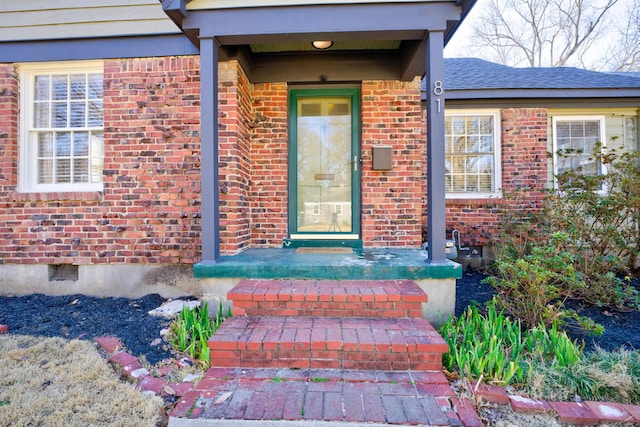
x=437, y=91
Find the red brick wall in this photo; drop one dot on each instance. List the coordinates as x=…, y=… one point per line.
x=269, y=192
x=149, y=211
x=524, y=165
x=391, y=200
x=9, y=105
x=235, y=123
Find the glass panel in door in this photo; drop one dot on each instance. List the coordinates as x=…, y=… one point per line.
x=324, y=165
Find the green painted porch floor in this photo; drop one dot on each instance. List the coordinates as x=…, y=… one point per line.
x=368, y=263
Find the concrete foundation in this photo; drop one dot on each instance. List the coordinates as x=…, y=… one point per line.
x=442, y=299
x=212, y=282
x=130, y=281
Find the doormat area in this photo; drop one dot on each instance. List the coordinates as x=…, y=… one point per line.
x=306, y=250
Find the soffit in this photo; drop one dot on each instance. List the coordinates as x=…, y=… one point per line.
x=340, y=45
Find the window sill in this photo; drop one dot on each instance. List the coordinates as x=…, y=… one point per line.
x=461, y=200
x=58, y=196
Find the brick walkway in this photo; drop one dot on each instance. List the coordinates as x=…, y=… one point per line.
x=410, y=397
x=224, y=388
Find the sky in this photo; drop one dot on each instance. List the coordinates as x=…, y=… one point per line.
x=460, y=44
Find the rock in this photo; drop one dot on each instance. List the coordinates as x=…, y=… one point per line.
x=171, y=309
x=185, y=361
x=191, y=378
x=139, y=373
x=223, y=397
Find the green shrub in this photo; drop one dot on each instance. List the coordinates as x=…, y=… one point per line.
x=191, y=330
x=601, y=216
x=520, y=220
x=598, y=217
x=496, y=348
x=603, y=211
x=534, y=288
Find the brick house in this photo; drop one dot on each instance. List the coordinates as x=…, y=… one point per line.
x=530, y=112
x=122, y=175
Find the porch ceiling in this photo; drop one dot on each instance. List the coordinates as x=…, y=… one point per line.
x=379, y=40
x=340, y=45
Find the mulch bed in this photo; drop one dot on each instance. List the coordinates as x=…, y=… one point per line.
x=622, y=329
x=84, y=317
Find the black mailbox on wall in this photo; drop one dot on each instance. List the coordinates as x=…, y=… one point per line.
x=381, y=158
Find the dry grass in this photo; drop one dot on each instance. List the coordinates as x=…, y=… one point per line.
x=600, y=375
x=56, y=382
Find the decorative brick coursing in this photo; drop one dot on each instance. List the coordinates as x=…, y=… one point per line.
x=524, y=166
x=235, y=123
x=391, y=200
x=9, y=107
x=269, y=168
x=149, y=211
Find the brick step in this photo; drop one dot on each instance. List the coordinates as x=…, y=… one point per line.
x=318, y=298
x=327, y=343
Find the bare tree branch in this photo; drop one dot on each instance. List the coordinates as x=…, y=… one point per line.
x=624, y=54
x=539, y=33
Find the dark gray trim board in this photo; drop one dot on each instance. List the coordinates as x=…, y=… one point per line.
x=462, y=103
x=175, y=9
x=99, y=48
x=210, y=204
x=616, y=93
x=250, y=25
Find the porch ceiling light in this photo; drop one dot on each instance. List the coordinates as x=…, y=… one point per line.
x=322, y=44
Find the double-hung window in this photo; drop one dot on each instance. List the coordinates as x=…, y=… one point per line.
x=574, y=139
x=472, y=153
x=62, y=123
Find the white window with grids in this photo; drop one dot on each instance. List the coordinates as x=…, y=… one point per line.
x=62, y=124
x=472, y=153
x=574, y=139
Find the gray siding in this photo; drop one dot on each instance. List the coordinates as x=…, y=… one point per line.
x=63, y=19
x=220, y=4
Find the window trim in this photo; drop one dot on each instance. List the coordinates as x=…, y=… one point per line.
x=554, y=136
x=27, y=165
x=497, y=153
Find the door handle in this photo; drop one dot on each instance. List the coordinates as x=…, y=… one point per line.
x=355, y=163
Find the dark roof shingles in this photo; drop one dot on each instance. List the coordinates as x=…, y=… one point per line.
x=478, y=74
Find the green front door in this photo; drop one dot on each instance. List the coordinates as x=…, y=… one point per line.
x=324, y=177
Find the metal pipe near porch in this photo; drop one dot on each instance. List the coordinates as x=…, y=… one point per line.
x=436, y=209
x=210, y=216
